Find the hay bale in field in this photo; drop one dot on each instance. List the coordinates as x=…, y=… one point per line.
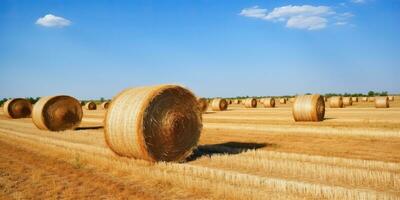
x=269, y=102
x=90, y=105
x=250, y=103
x=381, y=102
x=309, y=108
x=364, y=99
x=237, y=101
x=391, y=98
x=262, y=100
x=325, y=98
x=354, y=99
x=229, y=101
x=104, y=105
x=282, y=101
x=57, y=113
x=17, y=108
x=336, y=102
x=154, y=123
x=292, y=99
x=203, y=104
x=371, y=99
x=219, y=105
x=347, y=101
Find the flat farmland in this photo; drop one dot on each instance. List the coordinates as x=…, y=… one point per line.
x=243, y=153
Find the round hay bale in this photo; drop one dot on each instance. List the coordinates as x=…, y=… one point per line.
x=154, y=123
x=347, y=101
x=57, y=113
x=236, y=101
x=371, y=99
x=203, y=104
x=325, y=98
x=391, y=98
x=336, y=102
x=105, y=105
x=17, y=108
x=282, y=101
x=250, y=103
x=354, y=99
x=309, y=108
x=90, y=105
x=262, y=100
x=364, y=99
x=381, y=102
x=292, y=100
x=219, y=105
x=269, y=102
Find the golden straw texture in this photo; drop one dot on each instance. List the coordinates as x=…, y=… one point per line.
x=381, y=102
x=250, y=103
x=17, y=108
x=309, y=108
x=219, y=105
x=364, y=99
x=57, y=113
x=391, y=98
x=203, y=104
x=282, y=101
x=269, y=102
x=104, y=105
x=90, y=105
x=347, y=101
x=154, y=123
x=292, y=99
x=354, y=99
x=336, y=102
x=371, y=99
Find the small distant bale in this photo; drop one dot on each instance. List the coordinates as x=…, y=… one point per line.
x=381, y=102
x=104, y=105
x=347, y=101
x=250, y=103
x=269, y=102
x=282, y=101
x=154, y=123
x=309, y=108
x=57, y=113
x=203, y=104
x=391, y=98
x=371, y=99
x=90, y=105
x=292, y=99
x=364, y=99
x=262, y=100
x=354, y=99
x=219, y=105
x=236, y=101
x=17, y=108
x=336, y=102
x=325, y=98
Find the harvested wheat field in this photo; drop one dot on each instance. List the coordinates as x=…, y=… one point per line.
x=259, y=153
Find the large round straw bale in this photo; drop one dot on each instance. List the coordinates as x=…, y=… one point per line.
x=371, y=99
x=57, y=113
x=90, y=105
x=309, y=108
x=105, y=105
x=354, y=99
x=154, y=123
x=336, y=102
x=347, y=101
x=269, y=102
x=250, y=103
x=219, y=105
x=17, y=108
x=203, y=104
x=382, y=102
x=282, y=101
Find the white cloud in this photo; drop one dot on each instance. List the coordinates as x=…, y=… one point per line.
x=300, y=17
x=254, y=12
x=50, y=20
x=341, y=23
x=307, y=22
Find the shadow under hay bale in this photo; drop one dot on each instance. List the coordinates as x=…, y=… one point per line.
x=225, y=148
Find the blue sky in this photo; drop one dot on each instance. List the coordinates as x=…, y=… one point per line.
x=92, y=49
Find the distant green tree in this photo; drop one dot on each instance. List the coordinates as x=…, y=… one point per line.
x=102, y=99
x=371, y=93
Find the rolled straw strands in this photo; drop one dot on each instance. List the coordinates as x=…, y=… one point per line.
x=250, y=103
x=336, y=102
x=219, y=105
x=269, y=102
x=309, y=108
x=381, y=102
x=17, y=108
x=90, y=106
x=154, y=123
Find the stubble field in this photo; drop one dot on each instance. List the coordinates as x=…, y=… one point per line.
x=258, y=153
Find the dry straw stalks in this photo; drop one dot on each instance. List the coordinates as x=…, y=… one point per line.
x=17, y=108
x=309, y=108
x=219, y=105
